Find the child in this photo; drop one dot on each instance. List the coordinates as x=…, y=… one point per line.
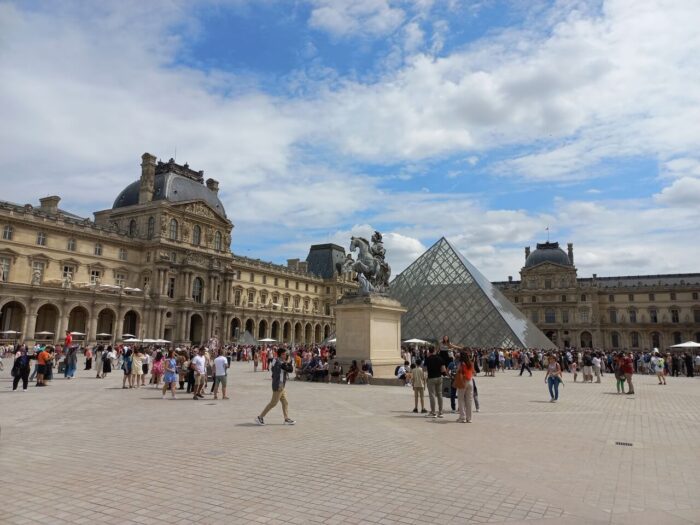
x=574, y=369
x=418, y=382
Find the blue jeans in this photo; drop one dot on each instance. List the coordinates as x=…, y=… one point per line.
x=553, y=384
x=69, y=371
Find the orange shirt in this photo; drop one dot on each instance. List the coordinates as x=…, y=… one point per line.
x=43, y=357
x=467, y=371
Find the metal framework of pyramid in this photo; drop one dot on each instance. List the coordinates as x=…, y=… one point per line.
x=446, y=295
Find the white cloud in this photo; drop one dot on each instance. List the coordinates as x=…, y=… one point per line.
x=683, y=192
x=343, y=18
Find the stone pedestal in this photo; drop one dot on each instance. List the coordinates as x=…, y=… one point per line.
x=369, y=327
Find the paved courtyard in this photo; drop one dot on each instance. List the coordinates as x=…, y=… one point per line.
x=86, y=451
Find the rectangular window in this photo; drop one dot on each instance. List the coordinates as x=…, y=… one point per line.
x=38, y=270
x=68, y=271
x=252, y=277
x=148, y=257
x=630, y=297
x=306, y=287
x=696, y=316
x=533, y=299
x=516, y=298
x=675, y=316
x=306, y=304
x=98, y=249
x=95, y=276
x=218, y=292
x=652, y=297
x=264, y=279
x=296, y=285
x=613, y=316
x=41, y=239
x=584, y=316
x=296, y=302
x=263, y=298
x=286, y=283
x=122, y=254
x=563, y=298
x=565, y=316
x=286, y=302
x=7, y=232
x=120, y=279
x=534, y=316
x=550, y=316
x=277, y=281
x=548, y=284
x=146, y=282
x=315, y=288
x=4, y=269
x=326, y=309
x=251, y=298
x=237, y=298
x=633, y=316
x=611, y=298
x=328, y=289
x=583, y=297
x=653, y=316
x=71, y=245
x=695, y=296
x=171, y=287
x=635, y=339
x=673, y=296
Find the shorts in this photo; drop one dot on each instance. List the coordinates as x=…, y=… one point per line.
x=136, y=371
x=41, y=369
x=588, y=370
x=199, y=379
x=144, y=368
x=220, y=380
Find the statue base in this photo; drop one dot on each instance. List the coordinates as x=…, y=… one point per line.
x=369, y=327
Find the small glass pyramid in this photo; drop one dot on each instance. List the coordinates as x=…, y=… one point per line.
x=446, y=295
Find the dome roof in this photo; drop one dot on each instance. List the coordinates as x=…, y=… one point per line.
x=548, y=252
x=172, y=187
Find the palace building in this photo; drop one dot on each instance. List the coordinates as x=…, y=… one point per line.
x=156, y=265
x=632, y=312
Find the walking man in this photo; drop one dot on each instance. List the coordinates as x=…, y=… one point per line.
x=200, y=374
x=280, y=370
x=436, y=370
x=525, y=360
x=220, y=375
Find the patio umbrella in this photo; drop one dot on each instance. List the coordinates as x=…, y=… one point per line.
x=162, y=341
x=267, y=340
x=11, y=332
x=415, y=342
x=128, y=336
x=103, y=335
x=77, y=333
x=687, y=344
x=150, y=341
x=44, y=332
x=132, y=341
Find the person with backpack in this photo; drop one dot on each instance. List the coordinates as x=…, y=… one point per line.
x=20, y=369
x=280, y=370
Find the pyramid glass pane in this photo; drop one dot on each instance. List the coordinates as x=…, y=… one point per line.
x=446, y=295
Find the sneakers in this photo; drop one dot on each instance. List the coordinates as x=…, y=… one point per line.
x=415, y=410
x=440, y=415
x=260, y=421
x=424, y=411
x=430, y=414
x=289, y=422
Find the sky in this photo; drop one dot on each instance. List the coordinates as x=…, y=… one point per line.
x=492, y=123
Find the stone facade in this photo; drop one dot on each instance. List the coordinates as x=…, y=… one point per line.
x=626, y=312
x=157, y=266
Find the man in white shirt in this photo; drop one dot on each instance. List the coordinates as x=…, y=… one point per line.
x=200, y=374
x=596, y=367
x=220, y=375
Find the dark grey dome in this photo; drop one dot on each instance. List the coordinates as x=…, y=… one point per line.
x=174, y=188
x=547, y=252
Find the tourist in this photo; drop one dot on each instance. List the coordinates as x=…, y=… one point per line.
x=595, y=360
x=99, y=349
x=171, y=375
x=263, y=356
x=401, y=372
x=525, y=362
x=574, y=369
x=199, y=366
x=352, y=373
x=436, y=371
x=280, y=370
x=628, y=370
x=107, y=357
x=418, y=382
x=137, y=367
x=88, y=359
x=126, y=367
x=145, y=362
x=553, y=377
x=463, y=383
x=452, y=371
x=619, y=374
x=20, y=369
x=70, y=362
x=255, y=361
x=587, y=367
x=42, y=359
x=336, y=373
x=157, y=369
x=220, y=375
x=688, y=358
x=657, y=364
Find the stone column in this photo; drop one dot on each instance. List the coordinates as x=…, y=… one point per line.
x=119, y=322
x=91, y=336
x=29, y=329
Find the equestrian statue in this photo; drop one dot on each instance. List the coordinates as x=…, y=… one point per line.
x=373, y=272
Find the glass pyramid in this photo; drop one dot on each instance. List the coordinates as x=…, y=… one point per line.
x=446, y=295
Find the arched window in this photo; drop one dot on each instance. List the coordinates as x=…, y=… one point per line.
x=151, y=227
x=173, y=230
x=132, y=228
x=198, y=290
x=7, y=232
x=217, y=241
x=197, y=236
x=98, y=249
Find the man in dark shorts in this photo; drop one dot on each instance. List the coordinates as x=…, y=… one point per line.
x=41, y=360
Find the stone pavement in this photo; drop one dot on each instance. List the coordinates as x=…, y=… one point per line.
x=86, y=451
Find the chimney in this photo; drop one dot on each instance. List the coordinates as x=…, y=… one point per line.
x=527, y=252
x=213, y=185
x=570, y=247
x=303, y=266
x=50, y=204
x=293, y=264
x=595, y=276
x=510, y=278
x=148, y=178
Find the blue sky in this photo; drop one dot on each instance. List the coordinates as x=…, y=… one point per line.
x=484, y=121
